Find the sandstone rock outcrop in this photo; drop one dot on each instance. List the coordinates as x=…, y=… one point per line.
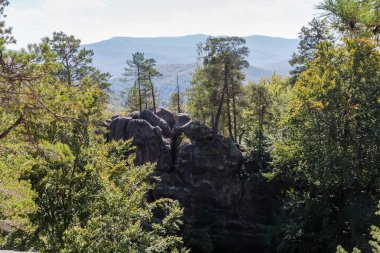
x=155, y=120
x=170, y=118
x=202, y=173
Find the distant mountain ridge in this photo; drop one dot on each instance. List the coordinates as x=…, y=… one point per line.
x=111, y=54
x=177, y=56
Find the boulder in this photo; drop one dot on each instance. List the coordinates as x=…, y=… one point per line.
x=140, y=130
x=117, y=128
x=115, y=117
x=167, y=116
x=194, y=130
x=154, y=120
x=150, y=144
x=182, y=119
x=135, y=115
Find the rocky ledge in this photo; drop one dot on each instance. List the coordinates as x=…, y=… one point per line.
x=221, y=210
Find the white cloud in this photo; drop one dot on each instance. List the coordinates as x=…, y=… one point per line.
x=94, y=20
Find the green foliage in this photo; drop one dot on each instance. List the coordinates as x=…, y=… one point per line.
x=26, y=95
x=16, y=196
x=75, y=62
x=198, y=232
x=176, y=100
x=310, y=37
x=340, y=249
x=354, y=18
x=375, y=242
x=200, y=241
x=262, y=106
x=121, y=219
x=217, y=82
x=5, y=32
x=142, y=93
x=65, y=188
x=375, y=233
x=62, y=188
x=328, y=155
x=53, y=124
x=202, y=97
x=315, y=137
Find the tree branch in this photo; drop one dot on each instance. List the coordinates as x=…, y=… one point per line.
x=14, y=125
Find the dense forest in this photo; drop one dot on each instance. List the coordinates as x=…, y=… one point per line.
x=310, y=140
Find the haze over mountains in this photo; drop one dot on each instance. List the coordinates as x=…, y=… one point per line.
x=178, y=55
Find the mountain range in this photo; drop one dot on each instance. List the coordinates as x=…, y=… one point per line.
x=176, y=56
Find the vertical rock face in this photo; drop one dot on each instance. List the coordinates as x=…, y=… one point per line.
x=200, y=172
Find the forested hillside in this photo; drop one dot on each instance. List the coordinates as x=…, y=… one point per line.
x=232, y=164
x=110, y=54
x=177, y=56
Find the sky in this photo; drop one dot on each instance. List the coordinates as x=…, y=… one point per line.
x=96, y=20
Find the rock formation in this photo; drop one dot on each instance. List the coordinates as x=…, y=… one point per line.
x=203, y=174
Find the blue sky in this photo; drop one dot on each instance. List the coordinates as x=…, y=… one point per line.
x=95, y=20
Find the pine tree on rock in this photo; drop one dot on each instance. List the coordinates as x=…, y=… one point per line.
x=143, y=72
x=150, y=72
x=222, y=60
x=134, y=69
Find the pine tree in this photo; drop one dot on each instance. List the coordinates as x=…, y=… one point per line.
x=134, y=69
x=176, y=99
x=75, y=61
x=149, y=72
x=354, y=18
x=310, y=37
x=143, y=72
x=222, y=60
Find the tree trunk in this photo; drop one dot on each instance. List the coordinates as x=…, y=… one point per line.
x=178, y=97
x=228, y=102
x=146, y=100
x=261, y=128
x=10, y=128
x=234, y=113
x=139, y=83
x=68, y=72
x=218, y=113
x=153, y=97
x=260, y=134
